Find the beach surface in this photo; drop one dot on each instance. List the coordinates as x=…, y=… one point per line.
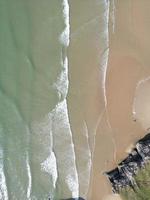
x=126, y=117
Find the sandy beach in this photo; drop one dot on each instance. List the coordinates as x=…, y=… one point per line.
x=116, y=126
x=128, y=64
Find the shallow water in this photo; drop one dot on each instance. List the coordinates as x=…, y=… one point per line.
x=33, y=87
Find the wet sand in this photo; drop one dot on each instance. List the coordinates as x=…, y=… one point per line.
x=86, y=101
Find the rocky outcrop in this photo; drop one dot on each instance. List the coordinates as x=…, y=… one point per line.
x=123, y=174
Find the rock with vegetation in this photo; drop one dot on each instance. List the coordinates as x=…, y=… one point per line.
x=131, y=178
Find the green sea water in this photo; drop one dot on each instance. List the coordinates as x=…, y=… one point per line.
x=44, y=148
x=31, y=61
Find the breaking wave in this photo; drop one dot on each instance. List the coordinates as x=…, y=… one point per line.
x=3, y=186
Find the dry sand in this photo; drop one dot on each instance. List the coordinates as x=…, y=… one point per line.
x=115, y=126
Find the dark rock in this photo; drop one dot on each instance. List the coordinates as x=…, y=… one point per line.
x=122, y=176
x=118, y=179
x=143, y=147
x=145, y=139
x=132, y=163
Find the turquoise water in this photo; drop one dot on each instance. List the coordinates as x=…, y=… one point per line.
x=38, y=157
x=31, y=60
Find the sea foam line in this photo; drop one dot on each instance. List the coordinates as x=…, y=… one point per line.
x=72, y=178
x=62, y=82
x=64, y=37
x=64, y=150
x=60, y=122
x=3, y=187
x=29, y=178
x=105, y=53
x=112, y=14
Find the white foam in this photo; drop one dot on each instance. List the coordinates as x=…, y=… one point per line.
x=62, y=82
x=105, y=53
x=47, y=160
x=50, y=166
x=61, y=85
x=61, y=162
x=29, y=178
x=112, y=15
x=64, y=37
x=62, y=135
x=3, y=186
x=64, y=150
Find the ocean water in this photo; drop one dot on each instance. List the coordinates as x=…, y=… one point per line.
x=38, y=150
